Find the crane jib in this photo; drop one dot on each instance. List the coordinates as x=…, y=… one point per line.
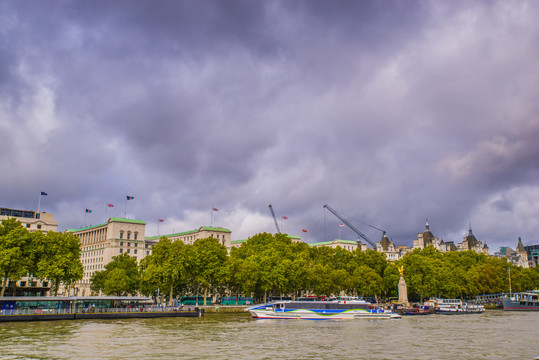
x=274, y=219
x=347, y=223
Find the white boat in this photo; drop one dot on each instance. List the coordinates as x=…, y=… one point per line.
x=320, y=310
x=456, y=307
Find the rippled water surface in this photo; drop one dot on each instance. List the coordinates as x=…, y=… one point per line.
x=493, y=335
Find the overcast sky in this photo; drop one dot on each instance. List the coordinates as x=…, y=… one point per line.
x=391, y=112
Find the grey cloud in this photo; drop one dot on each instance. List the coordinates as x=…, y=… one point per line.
x=390, y=112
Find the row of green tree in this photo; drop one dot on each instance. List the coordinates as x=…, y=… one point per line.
x=273, y=265
x=53, y=256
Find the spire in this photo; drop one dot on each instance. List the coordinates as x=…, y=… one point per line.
x=520, y=247
x=427, y=224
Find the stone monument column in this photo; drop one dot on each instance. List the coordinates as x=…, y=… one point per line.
x=403, y=291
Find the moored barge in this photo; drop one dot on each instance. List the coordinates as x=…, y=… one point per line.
x=46, y=308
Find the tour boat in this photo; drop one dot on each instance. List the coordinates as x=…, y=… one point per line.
x=522, y=301
x=320, y=310
x=457, y=307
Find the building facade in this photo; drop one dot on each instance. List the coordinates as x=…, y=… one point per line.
x=392, y=252
x=470, y=242
x=349, y=245
x=31, y=220
x=189, y=237
x=101, y=242
x=533, y=255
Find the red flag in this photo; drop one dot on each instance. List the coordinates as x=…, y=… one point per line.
x=214, y=209
x=160, y=220
x=88, y=210
x=130, y=197
x=110, y=205
x=285, y=217
x=303, y=230
x=341, y=225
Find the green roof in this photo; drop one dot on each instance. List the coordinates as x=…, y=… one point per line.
x=238, y=241
x=132, y=221
x=352, y=242
x=215, y=229
x=189, y=232
x=294, y=237
x=86, y=228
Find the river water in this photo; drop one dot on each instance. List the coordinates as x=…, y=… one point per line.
x=494, y=334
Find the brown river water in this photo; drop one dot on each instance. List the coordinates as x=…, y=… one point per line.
x=494, y=334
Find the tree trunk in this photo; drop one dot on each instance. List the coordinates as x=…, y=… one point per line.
x=4, y=281
x=170, y=295
x=205, y=295
x=56, y=286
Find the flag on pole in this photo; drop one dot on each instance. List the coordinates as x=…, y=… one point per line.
x=285, y=217
x=43, y=193
x=341, y=225
x=88, y=211
x=160, y=220
x=130, y=197
x=110, y=205
x=303, y=230
x=214, y=209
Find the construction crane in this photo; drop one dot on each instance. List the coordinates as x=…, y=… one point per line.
x=354, y=229
x=274, y=219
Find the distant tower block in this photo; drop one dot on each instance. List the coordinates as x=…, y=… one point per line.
x=403, y=291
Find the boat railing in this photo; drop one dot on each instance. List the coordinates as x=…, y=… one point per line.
x=35, y=311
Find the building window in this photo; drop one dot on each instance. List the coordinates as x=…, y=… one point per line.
x=121, y=243
x=23, y=283
x=28, y=226
x=135, y=244
x=128, y=244
x=39, y=226
x=135, y=236
x=121, y=234
x=135, y=251
x=128, y=251
x=128, y=235
x=121, y=251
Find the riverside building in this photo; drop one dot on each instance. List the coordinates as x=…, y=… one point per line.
x=101, y=242
x=32, y=221
x=349, y=245
x=469, y=242
x=189, y=237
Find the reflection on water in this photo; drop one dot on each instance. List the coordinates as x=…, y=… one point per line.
x=493, y=335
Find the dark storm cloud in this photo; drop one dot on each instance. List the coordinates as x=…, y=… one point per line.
x=391, y=112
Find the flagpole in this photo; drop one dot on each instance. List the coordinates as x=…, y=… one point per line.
x=85, y=213
x=38, y=205
x=211, y=222
x=125, y=213
x=158, y=234
x=106, y=210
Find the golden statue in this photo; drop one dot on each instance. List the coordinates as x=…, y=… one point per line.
x=401, y=270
